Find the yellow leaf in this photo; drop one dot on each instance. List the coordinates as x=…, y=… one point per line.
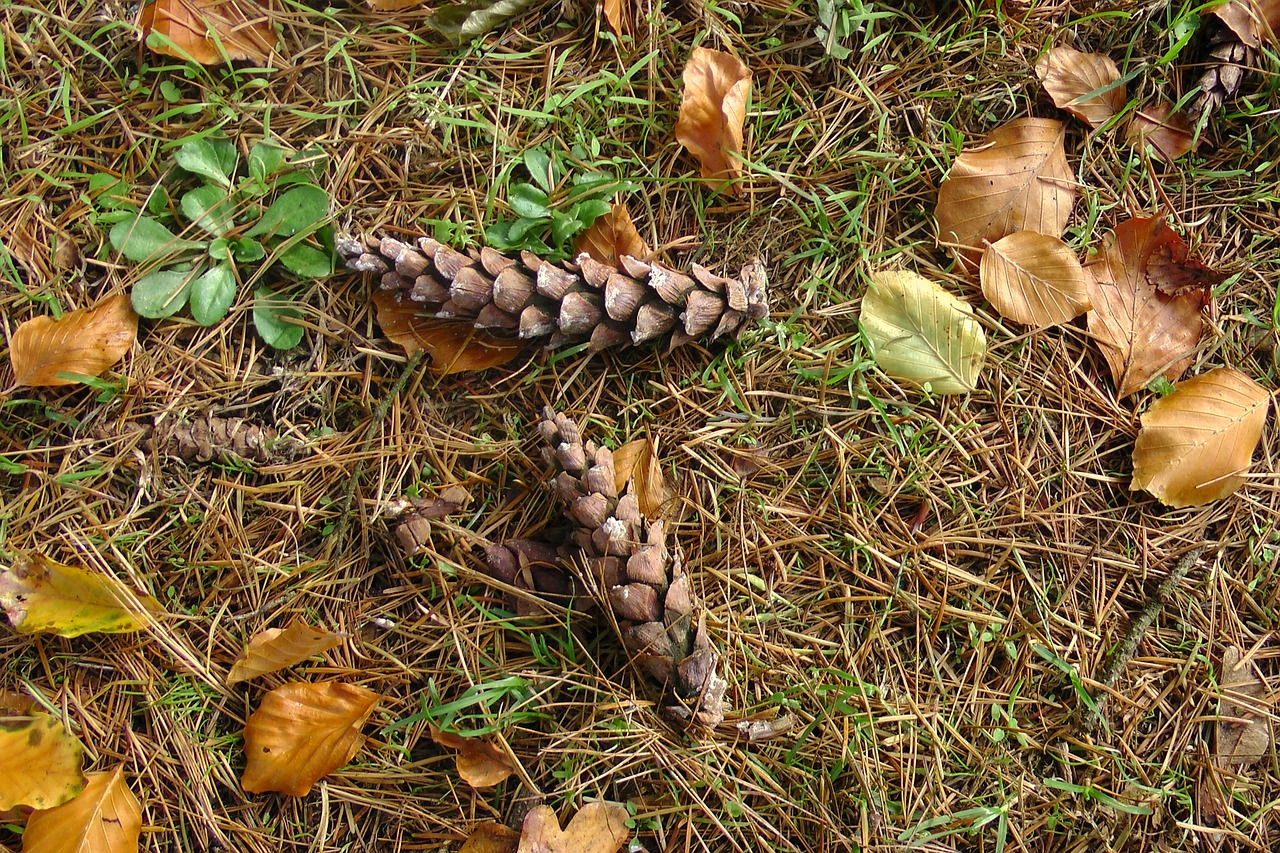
x=208, y=31
x=1196, y=443
x=480, y=763
x=1070, y=77
x=85, y=341
x=1034, y=279
x=104, y=818
x=921, y=334
x=717, y=88
x=276, y=648
x=596, y=828
x=39, y=595
x=610, y=237
x=302, y=732
x=40, y=762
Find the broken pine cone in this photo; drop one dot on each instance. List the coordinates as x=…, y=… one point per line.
x=658, y=614
x=562, y=303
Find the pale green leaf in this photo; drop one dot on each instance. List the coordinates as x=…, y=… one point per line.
x=212, y=295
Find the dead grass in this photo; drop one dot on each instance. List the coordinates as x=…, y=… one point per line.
x=929, y=585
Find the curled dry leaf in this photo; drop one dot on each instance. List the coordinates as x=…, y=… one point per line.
x=1087, y=85
x=210, y=32
x=1142, y=332
x=1243, y=734
x=277, y=648
x=86, y=341
x=104, y=818
x=491, y=837
x=596, y=828
x=1197, y=442
x=1251, y=20
x=1172, y=271
x=40, y=762
x=1034, y=279
x=637, y=461
x=480, y=763
x=717, y=87
x=39, y=595
x=1016, y=180
x=921, y=334
x=1167, y=132
x=455, y=346
x=610, y=237
x=303, y=732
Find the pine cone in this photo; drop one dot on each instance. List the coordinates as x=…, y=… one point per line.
x=658, y=614
x=585, y=301
x=1227, y=59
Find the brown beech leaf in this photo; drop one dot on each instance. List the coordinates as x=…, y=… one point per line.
x=42, y=596
x=1251, y=20
x=480, y=763
x=104, y=818
x=638, y=460
x=1016, y=180
x=277, y=648
x=1142, y=332
x=717, y=87
x=1034, y=279
x=491, y=837
x=86, y=341
x=1243, y=735
x=210, y=32
x=1168, y=133
x=610, y=237
x=1172, y=270
x=455, y=346
x=40, y=761
x=1196, y=443
x=302, y=732
x=1070, y=77
x=596, y=828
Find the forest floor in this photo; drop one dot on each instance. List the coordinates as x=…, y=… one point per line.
x=929, y=584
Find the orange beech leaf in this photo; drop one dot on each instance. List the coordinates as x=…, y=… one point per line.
x=208, y=31
x=40, y=761
x=638, y=460
x=480, y=763
x=1034, y=279
x=1197, y=442
x=1016, y=180
x=610, y=237
x=276, y=648
x=1168, y=133
x=491, y=837
x=1142, y=332
x=104, y=818
x=85, y=341
x=1251, y=20
x=717, y=87
x=302, y=732
x=596, y=828
x=1069, y=76
x=455, y=346
x=616, y=17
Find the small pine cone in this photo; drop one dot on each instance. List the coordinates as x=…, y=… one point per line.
x=1227, y=60
x=659, y=617
x=582, y=302
x=210, y=437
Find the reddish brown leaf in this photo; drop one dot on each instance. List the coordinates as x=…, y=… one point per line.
x=717, y=88
x=1251, y=20
x=610, y=237
x=1168, y=133
x=208, y=31
x=480, y=763
x=1016, y=180
x=277, y=648
x=1171, y=269
x=1069, y=77
x=85, y=341
x=1142, y=332
x=455, y=346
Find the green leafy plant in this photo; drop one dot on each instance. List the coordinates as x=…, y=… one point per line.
x=556, y=204
x=238, y=222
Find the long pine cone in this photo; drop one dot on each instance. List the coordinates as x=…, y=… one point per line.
x=583, y=302
x=658, y=614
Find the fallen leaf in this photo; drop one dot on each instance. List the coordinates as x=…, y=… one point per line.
x=717, y=87
x=277, y=648
x=1142, y=332
x=610, y=237
x=596, y=828
x=1196, y=443
x=1074, y=80
x=638, y=460
x=86, y=341
x=1251, y=20
x=1016, y=180
x=302, y=732
x=391, y=5
x=1243, y=737
x=1172, y=271
x=921, y=334
x=616, y=18
x=210, y=32
x=455, y=346
x=1168, y=133
x=461, y=22
x=480, y=763
x=491, y=837
x=1034, y=279
x=104, y=818
x=39, y=595
x=40, y=762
